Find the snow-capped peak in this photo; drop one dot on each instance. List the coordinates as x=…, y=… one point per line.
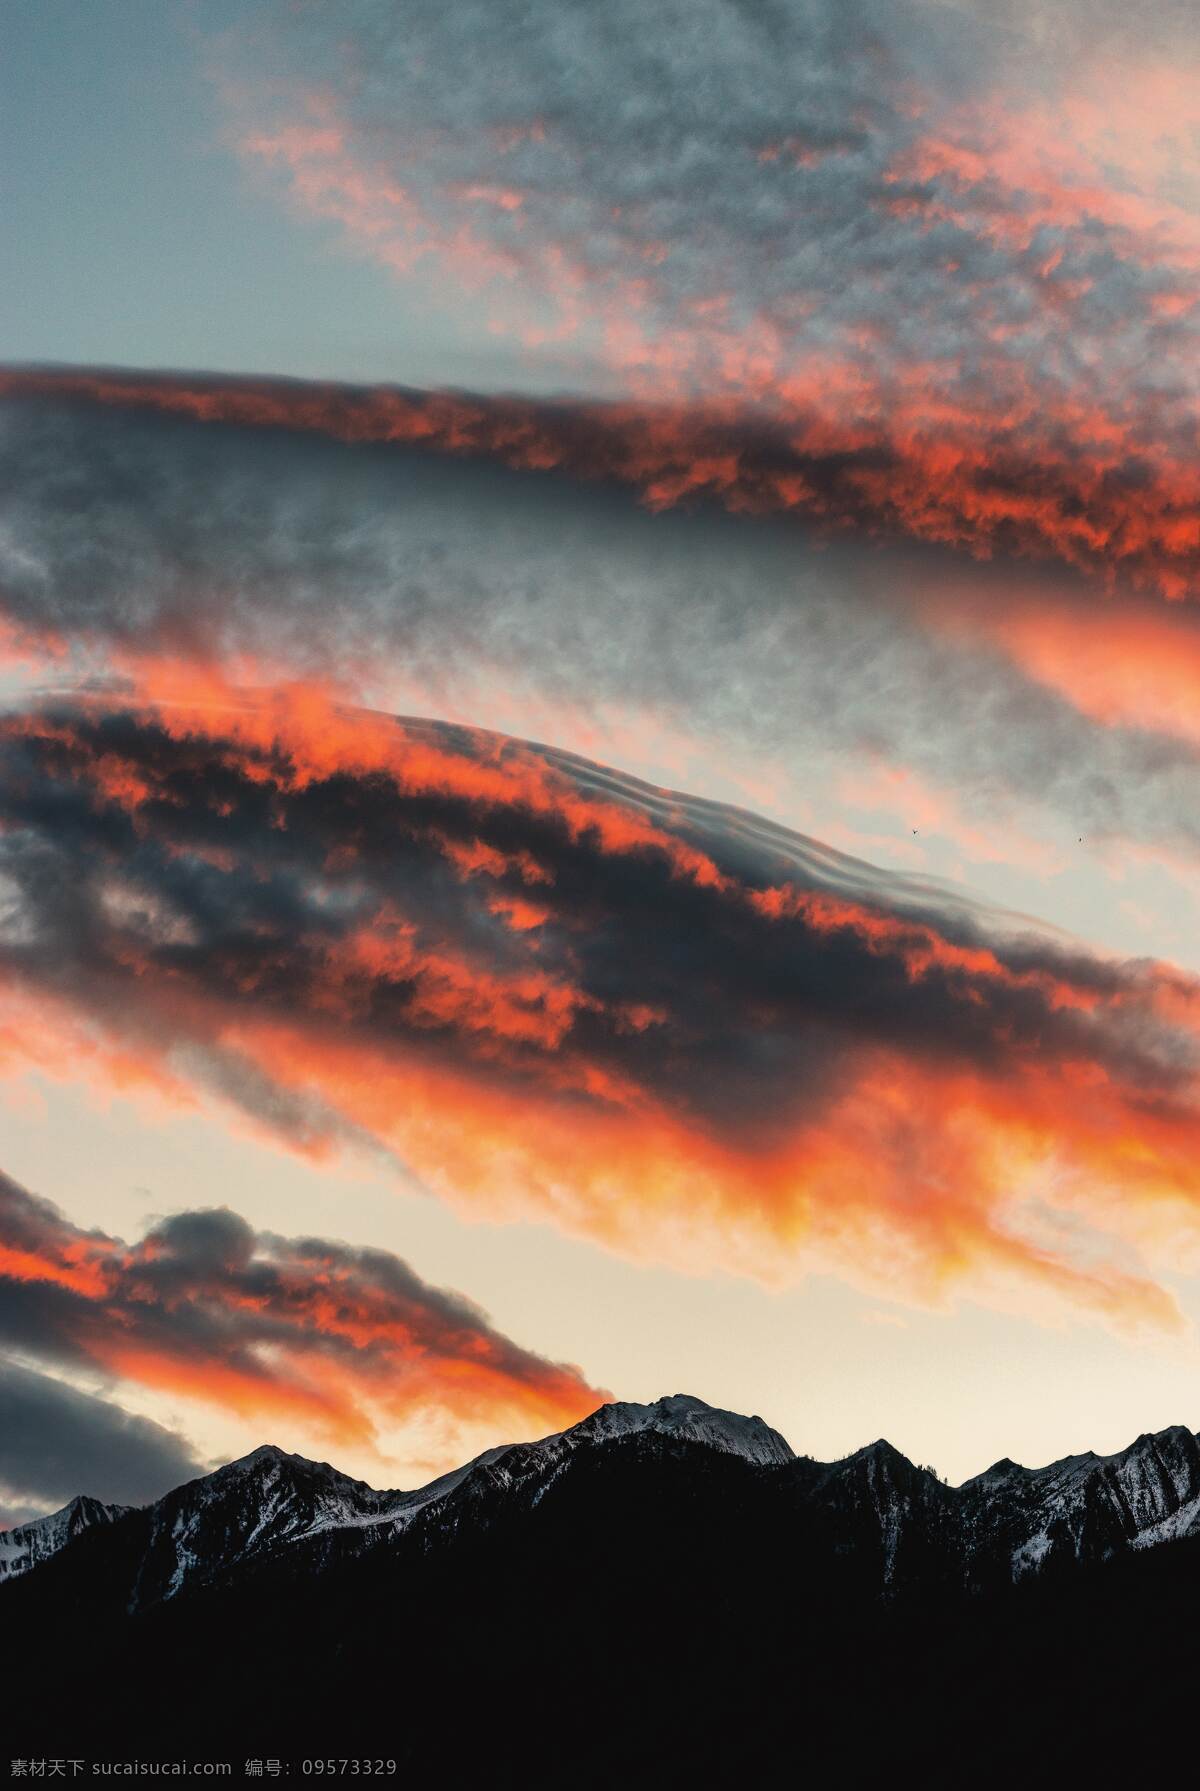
x=683, y=1415
x=269, y=1458
x=28, y=1544
x=265, y=1453
x=1007, y=1521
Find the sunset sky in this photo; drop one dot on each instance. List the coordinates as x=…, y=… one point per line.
x=600, y=730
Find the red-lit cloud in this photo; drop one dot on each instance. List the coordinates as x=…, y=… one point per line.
x=553, y=992
x=949, y=257
x=895, y=466
x=553, y=608
x=339, y=1342
x=1135, y=666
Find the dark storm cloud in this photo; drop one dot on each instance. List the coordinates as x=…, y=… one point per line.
x=551, y=915
x=56, y=1442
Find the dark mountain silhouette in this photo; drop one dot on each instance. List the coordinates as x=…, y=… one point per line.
x=662, y=1591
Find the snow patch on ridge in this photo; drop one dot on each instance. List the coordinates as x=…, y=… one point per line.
x=683, y=1415
x=29, y=1544
x=1010, y=1520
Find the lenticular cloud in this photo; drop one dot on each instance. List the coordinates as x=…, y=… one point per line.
x=551, y=991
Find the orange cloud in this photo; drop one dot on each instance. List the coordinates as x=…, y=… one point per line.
x=887, y=458
x=339, y=1341
x=971, y=320
x=711, y=1043
x=1140, y=670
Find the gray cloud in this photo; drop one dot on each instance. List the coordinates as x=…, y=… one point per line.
x=56, y=1441
x=463, y=581
x=306, y=1328
x=225, y=878
x=866, y=201
x=507, y=963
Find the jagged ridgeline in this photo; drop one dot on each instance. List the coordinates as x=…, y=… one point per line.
x=669, y=1552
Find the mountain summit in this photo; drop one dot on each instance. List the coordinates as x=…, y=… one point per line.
x=683, y=1415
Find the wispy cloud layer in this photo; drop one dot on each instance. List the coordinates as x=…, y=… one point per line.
x=949, y=252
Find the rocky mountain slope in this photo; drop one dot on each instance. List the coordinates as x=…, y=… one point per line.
x=903, y=1526
x=662, y=1595
x=28, y=1544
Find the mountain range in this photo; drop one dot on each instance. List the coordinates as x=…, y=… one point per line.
x=669, y=1549
x=1008, y=1522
